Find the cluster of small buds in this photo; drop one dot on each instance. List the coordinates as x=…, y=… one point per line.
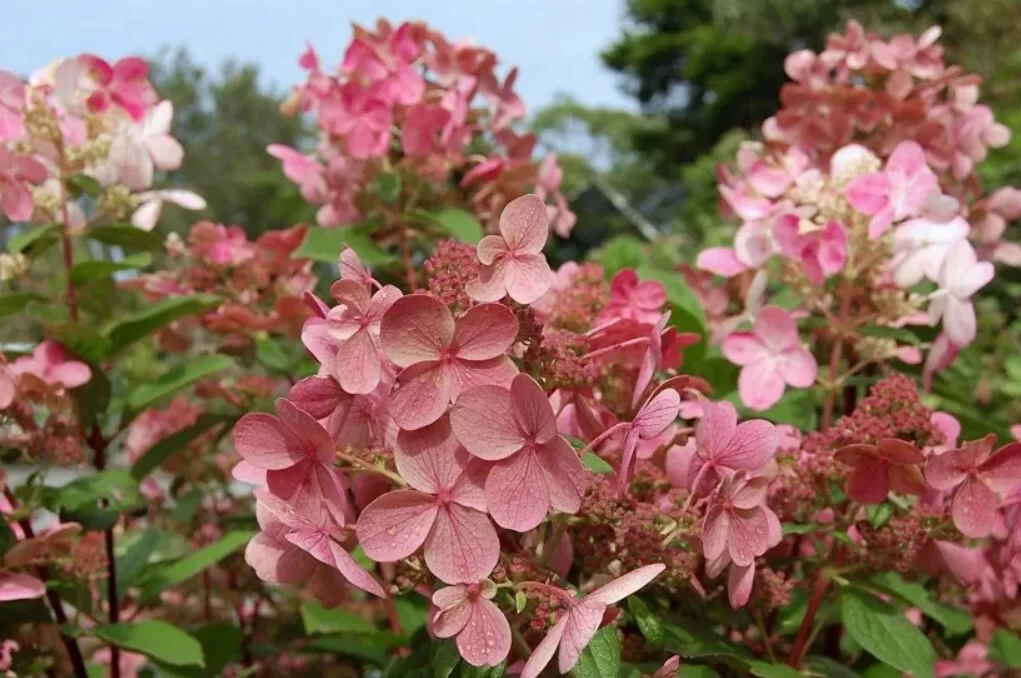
x=87, y=561
x=449, y=269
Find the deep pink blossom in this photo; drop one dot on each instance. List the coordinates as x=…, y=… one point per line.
x=970, y=661
x=51, y=364
x=822, y=252
x=723, y=447
x=125, y=84
x=631, y=299
x=738, y=522
x=361, y=117
x=466, y=611
x=442, y=357
x=890, y=464
x=12, y=101
x=513, y=263
x=305, y=171
x=346, y=342
x=314, y=529
x=981, y=479
x=581, y=621
x=444, y=510
x=533, y=468
x=16, y=173
x=895, y=193
x=771, y=358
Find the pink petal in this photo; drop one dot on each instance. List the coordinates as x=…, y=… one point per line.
x=907, y=159
x=15, y=586
x=470, y=489
x=483, y=419
x=462, y=547
x=486, y=638
x=564, y=474
x=422, y=395
x=71, y=374
x=416, y=328
x=974, y=509
x=490, y=248
x=582, y=624
x=720, y=260
x=430, y=458
x=751, y=447
x=358, y=368
x=516, y=492
x=313, y=437
x=657, y=414
x=532, y=410
x=743, y=348
x=797, y=367
x=1002, y=471
x=353, y=572
x=243, y=472
x=277, y=562
x=527, y=277
x=544, y=651
x=715, y=529
x=320, y=342
x=870, y=481
x=319, y=396
x=489, y=285
x=899, y=451
x=524, y=224
x=868, y=193
x=716, y=427
x=623, y=586
x=486, y=331
x=748, y=535
x=396, y=525
x=468, y=374
x=943, y=472
x=739, y=584
x=760, y=385
x=776, y=328
x=454, y=614
x=266, y=443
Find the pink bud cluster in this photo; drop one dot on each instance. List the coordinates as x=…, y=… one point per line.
x=406, y=100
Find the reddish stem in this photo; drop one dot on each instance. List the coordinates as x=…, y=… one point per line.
x=822, y=582
x=835, y=353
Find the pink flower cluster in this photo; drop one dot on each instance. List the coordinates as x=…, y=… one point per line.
x=406, y=100
x=864, y=182
x=85, y=116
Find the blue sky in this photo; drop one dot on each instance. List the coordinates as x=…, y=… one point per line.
x=554, y=42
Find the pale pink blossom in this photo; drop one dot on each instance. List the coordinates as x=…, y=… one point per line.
x=442, y=357
x=139, y=149
x=920, y=246
x=150, y=206
x=533, y=468
x=305, y=171
x=821, y=251
x=12, y=101
x=466, y=611
x=582, y=620
x=960, y=277
x=631, y=299
x=738, y=522
x=980, y=477
x=771, y=358
x=513, y=263
x=16, y=173
x=444, y=511
x=361, y=117
x=17, y=586
x=970, y=661
x=51, y=364
x=890, y=464
x=723, y=447
x=896, y=192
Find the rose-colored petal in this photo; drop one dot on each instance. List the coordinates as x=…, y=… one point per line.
x=743, y=348
x=353, y=572
x=319, y=396
x=396, y=525
x=748, y=535
x=484, y=332
x=760, y=385
x=416, y=328
x=358, y=368
x=15, y=586
x=516, y=492
x=463, y=546
x=907, y=480
x=429, y=458
x=313, y=437
x=582, y=623
x=524, y=224
x=483, y=420
x=739, y=584
x=544, y=651
x=266, y=443
x=868, y=193
x=527, y=277
x=899, y=451
x=467, y=374
x=715, y=528
x=422, y=395
x=532, y=410
x=870, y=481
x=751, y=447
x=797, y=367
x=657, y=414
x=720, y=260
x=489, y=285
x=623, y=586
x=491, y=247
x=486, y=638
x=1002, y=471
x=943, y=473
x=716, y=427
x=453, y=617
x=564, y=474
x=974, y=509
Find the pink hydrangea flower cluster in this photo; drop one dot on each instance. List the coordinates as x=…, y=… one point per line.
x=406, y=100
x=864, y=182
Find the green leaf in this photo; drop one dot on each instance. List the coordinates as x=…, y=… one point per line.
x=93, y=397
x=886, y=634
x=156, y=639
x=221, y=646
x=131, y=564
x=412, y=610
x=825, y=666
x=95, y=500
x=318, y=619
x=804, y=528
x=469, y=671
x=955, y=620
x=619, y=252
x=272, y=353
x=693, y=641
x=647, y=622
x=15, y=302
x=593, y=462
x=601, y=658
x=693, y=671
x=34, y=242
x=879, y=514
x=155, y=317
x=81, y=184
x=719, y=372
x=48, y=312
x=520, y=601
x=84, y=342
x=127, y=236
x=172, y=444
x=324, y=244
x=388, y=187
x=177, y=379
x=371, y=648
x=444, y=658
x=686, y=313
x=457, y=222
x=156, y=580
x=1005, y=648
x=86, y=271
x=768, y=670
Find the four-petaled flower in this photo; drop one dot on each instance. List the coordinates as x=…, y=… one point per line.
x=51, y=364
x=12, y=101
x=125, y=84
x=724, y=447
x=442, y=358
x=981, y=478
x=821, y=251
x=890, y=464
x=631, y=299
x=16, y=173
x=771, y=358
x=738, y=523
x=513, y=263
x=961, y=276
x=582, y=619
x=895, y=193
x=466, y=611
x=533, y=468
x=444, y=510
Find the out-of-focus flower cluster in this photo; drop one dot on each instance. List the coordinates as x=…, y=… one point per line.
x=405, y=101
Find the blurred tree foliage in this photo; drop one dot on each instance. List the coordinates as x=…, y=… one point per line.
x=225, y=120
